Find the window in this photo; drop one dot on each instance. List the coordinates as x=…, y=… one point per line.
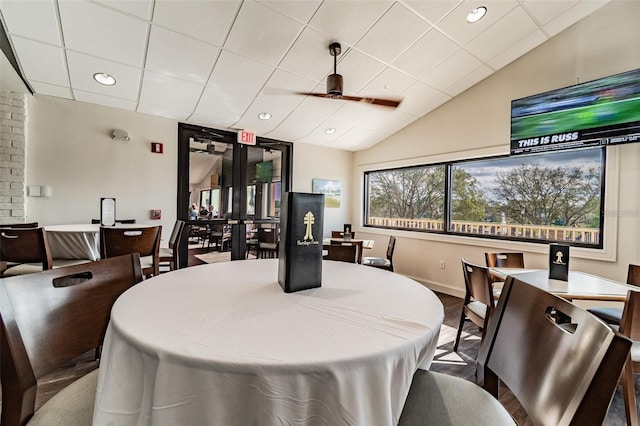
x=549, y=197
x=408, y=198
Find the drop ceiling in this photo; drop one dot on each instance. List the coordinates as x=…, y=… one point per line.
x=220, y=63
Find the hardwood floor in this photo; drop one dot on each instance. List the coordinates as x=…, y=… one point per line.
x=461, y=364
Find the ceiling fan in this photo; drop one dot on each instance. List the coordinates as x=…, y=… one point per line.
x=334, y=85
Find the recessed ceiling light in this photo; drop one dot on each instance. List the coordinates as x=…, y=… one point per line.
x=330, y=131
x=476, y=14
x=104, y=78
x=264, y=116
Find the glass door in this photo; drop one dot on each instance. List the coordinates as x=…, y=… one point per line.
x=228, y=193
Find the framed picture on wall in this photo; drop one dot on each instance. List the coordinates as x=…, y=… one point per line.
x=330, y=189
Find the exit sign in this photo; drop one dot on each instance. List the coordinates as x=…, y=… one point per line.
x=246, y=137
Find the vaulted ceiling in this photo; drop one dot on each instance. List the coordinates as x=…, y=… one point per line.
x=220, y=63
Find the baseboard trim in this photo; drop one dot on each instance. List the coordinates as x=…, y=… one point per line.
x=439, y=287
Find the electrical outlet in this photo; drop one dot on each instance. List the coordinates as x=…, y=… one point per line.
x=442, y=264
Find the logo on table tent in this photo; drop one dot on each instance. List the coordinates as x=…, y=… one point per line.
x=309, y=220
x=558, y=260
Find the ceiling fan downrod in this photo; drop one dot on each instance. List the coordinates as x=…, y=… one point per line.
x=334, y=81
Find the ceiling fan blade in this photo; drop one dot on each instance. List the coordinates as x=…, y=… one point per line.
x=318, y=95
x=391, y=103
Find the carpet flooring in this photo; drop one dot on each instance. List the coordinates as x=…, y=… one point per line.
x=461, y=363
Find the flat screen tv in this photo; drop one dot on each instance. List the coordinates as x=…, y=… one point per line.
x=599, y=112
x=264, y=171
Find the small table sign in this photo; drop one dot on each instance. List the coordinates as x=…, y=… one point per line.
x=559, y=262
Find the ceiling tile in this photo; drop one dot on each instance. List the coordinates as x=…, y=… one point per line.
x=169, y=92
x=95, y=98
x=358, y=70
x=390, y=83
x=451, y=70
x=51, y=90
x=572, y=15
x=352, y=112
x=432, y=10
x=301, y=11
x=209, y=21
x=83, y=67
x=346, y=21
x=41, y=62
x=37, y=20
x=283, y=87
x=469, y=80
x=319, y=137
x=546, y=10
x=420, y=99
x=514, y=52
x=455, y=25
x=295, y=126
x=140, y=8
x=425, y=54
x=309, y=56
x=236, y=74
x=262, y=34
x=102, y=32
x=163, y=111
x=358, y=138
x=220, y=108
x=398, y=29
x=507, y=32
x=179, y=56
x=385, y=120
x=250, y=119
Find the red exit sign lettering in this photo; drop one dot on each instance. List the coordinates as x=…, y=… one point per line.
x=246, y=137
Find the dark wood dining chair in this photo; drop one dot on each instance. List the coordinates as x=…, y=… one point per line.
x=613, y=315
x=116, y=241
x=48, y=319
x=630, y=327
x=341, y=253
x=357, y=243
x=502, y=260
x=382, y=263
x=24, y=251
x=268, y=242
x=478, y=302
x=168, y=256
x=340, y=234
x=570, y=380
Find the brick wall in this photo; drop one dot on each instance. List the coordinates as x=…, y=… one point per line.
x=13, y=125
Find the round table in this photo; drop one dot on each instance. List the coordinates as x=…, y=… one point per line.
x=222, y=344
x=74, y=241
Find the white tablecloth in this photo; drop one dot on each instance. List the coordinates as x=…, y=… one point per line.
x=77, y=241
x=222, y=344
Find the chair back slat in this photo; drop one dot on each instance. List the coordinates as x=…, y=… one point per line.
x=391, y=247
x=25, y=245
x=51, y=317
x=176, y=233
x=559, y=376
x=633, y=275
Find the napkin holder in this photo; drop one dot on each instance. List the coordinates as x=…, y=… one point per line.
x=300, y=251
x=559, y=262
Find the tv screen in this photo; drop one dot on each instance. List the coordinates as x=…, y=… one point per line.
x=600, y=112
x=264, y=171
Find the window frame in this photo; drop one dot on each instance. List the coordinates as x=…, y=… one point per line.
x=449, y=165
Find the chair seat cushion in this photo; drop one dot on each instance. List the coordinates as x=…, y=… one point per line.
x=478, y=308
x=61, y=263
x=146, y=262
x=23, y=268
x=440, y=399
x=608, y=315
x=166, y=252
x=72, y=406
x=376, y=261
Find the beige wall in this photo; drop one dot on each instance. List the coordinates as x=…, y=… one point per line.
x=70, y=149
x=476, y=123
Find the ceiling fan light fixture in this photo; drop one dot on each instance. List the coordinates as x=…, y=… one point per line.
x=264, y=116
x=476, y=14
x=104, y=78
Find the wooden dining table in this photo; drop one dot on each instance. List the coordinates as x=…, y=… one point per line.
x=579, y=286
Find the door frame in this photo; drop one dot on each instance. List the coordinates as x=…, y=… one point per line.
x=239, y=180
